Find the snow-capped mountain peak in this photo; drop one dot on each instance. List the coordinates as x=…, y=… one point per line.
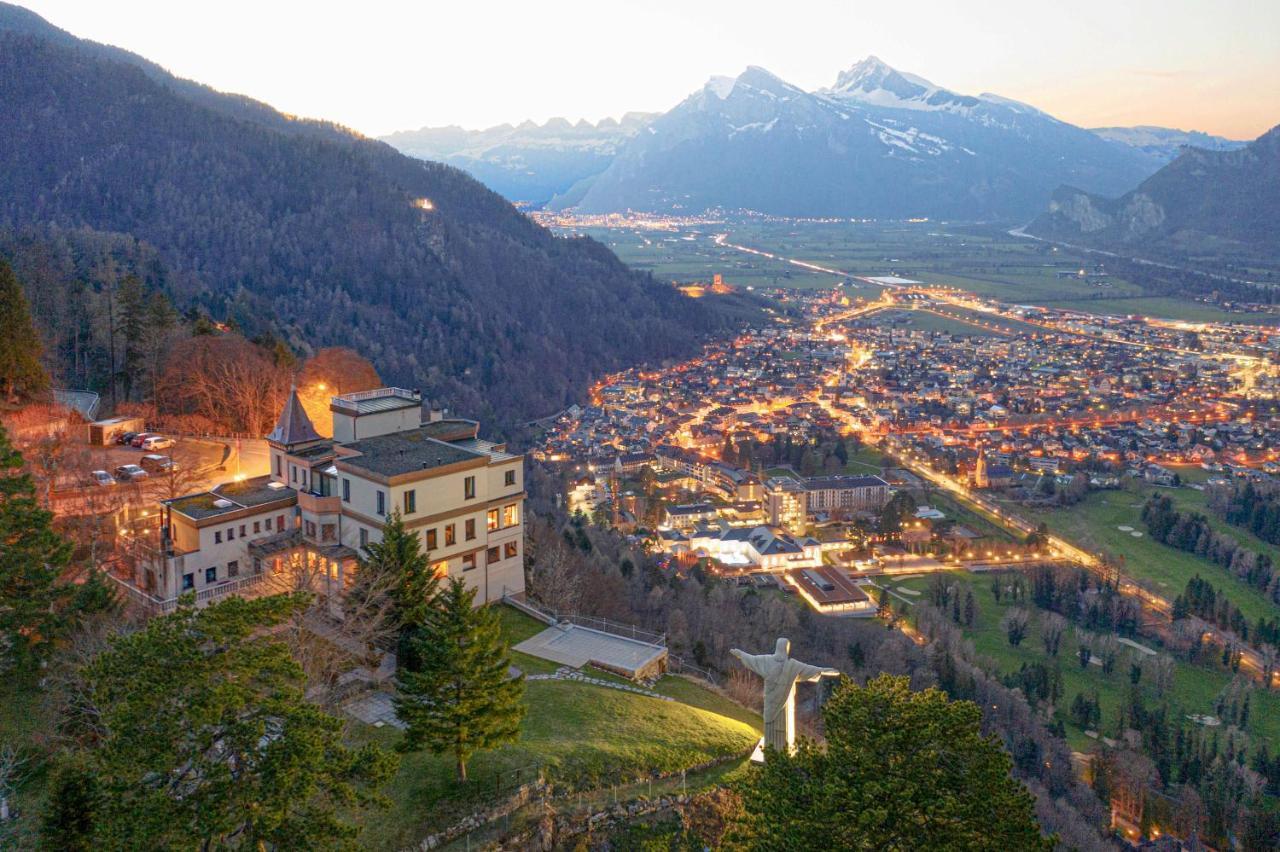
x=873, y=81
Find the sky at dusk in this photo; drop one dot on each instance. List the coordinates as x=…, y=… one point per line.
x=1211, y=65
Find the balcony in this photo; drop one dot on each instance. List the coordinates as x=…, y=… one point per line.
x=316, y=504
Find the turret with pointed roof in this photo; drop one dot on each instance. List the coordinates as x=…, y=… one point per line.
x=294, y=426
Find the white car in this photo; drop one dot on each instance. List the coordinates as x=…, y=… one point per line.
x=101, y=478
x=157, y=442
x=130, y=473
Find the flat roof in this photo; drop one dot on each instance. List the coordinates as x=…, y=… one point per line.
x=369, y=402
x=247, y=494
x=405, y=452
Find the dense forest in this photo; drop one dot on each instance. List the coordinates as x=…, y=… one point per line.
x=317, y=236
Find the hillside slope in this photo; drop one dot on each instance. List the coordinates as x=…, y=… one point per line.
x=320, y=235
x=1218, y=201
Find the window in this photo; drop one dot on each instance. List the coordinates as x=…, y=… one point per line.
x=188, y=582
x=257, y=565
x=278, y=473
x=211, y=575
x=410, y=501
x=510, y=515
x=364, y=537
x=491, y=520
x=450, y=535
x=279, y=523
x=257, y=527
x=469, y=562
x=471, y=529
x=510, y=550
x=346, y=490
x=233, y=568
x=510, y=477
x=492, y=555
x=293, y=473
x=242, y=530
x=469, y=488
x=382, y=502
x=217, y=536
x=328, y=532
x=432, y=543
x=310, y=528
x=231, y=533
x=440, y=569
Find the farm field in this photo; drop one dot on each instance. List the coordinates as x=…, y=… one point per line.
x=986, y=261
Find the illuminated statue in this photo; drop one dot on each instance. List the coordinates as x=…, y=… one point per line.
x=780, y=674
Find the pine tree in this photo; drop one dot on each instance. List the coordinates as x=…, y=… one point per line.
x=72, y=809
x=20, y=370
x=400, y=555
x=132, y=299
x=462, y=699
x=36, y=601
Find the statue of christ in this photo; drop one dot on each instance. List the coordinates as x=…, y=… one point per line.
x=780, y=674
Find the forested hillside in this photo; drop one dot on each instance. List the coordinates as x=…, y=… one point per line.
x=319, y=236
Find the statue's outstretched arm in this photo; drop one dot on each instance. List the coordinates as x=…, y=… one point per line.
x=806, y=672
x=758, y=663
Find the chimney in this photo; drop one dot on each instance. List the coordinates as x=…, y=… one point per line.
x=435, y=415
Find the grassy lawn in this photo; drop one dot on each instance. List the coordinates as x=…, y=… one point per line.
x=1194, y=691
x=577, y=735
x=1094, y=524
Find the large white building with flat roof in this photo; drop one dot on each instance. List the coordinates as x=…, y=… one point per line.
x=323, y=500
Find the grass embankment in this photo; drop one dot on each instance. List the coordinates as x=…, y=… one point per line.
x=1193, y=691
x=578, y=735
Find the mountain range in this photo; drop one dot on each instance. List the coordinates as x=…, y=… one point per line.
x=525, y=162
x=879, y=142
x=318, y=235
x=1227, y=202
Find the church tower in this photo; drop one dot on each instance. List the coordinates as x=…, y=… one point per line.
x=980, y=477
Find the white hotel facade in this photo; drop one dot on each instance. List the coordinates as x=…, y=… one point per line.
x=305, y=523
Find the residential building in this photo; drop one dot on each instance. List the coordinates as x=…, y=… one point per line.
x=306, y=522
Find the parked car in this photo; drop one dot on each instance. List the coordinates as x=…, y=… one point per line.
x=155, y=463
x=137, y=439
x=126, y=438
x=157, y=442
x=101, y=478
x=130, y=473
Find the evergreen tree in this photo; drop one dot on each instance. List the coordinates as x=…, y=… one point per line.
x=399, y=554
x=132, y=300
x=21, y=373
x=207, y=741
x=462, y=699
x=72, y=809
x=37, y=602
x=900, y=770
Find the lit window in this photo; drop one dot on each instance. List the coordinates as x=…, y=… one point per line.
x=450, y=535
x=510, y=515
x=491, y=520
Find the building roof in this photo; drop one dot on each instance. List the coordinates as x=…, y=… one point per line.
x=371, y=401
x=814, y=483
x=232, y=497
x=294, y=426
x=404, y=452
